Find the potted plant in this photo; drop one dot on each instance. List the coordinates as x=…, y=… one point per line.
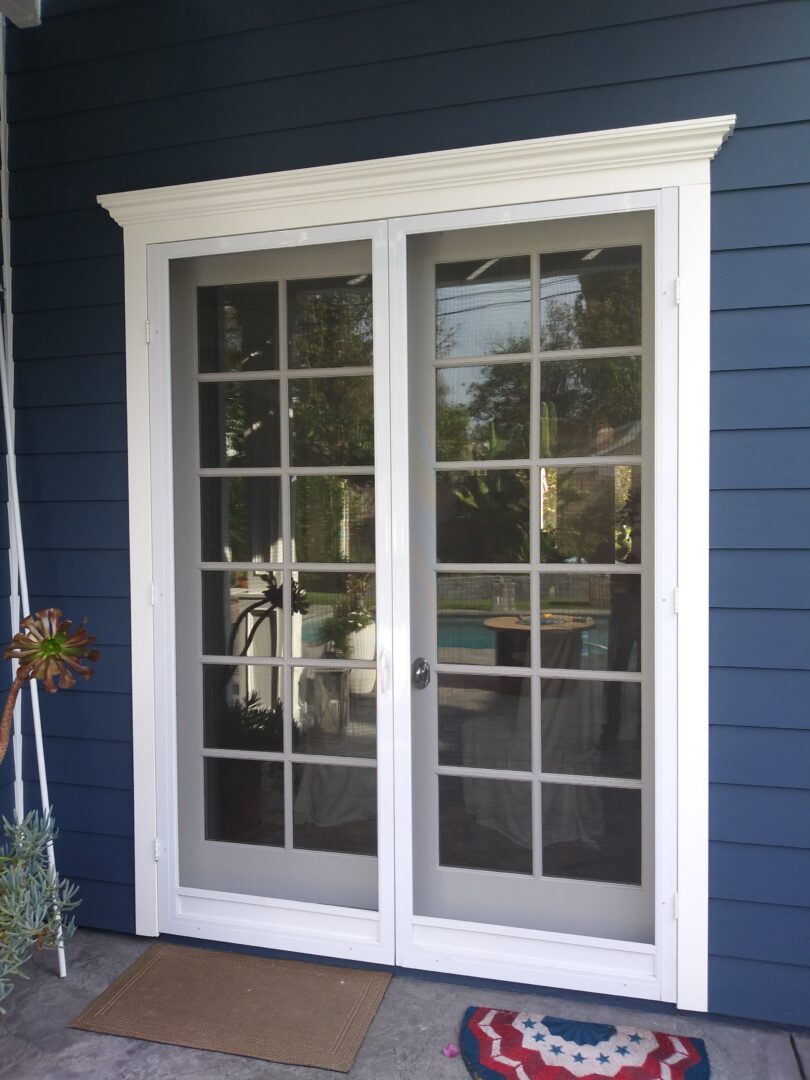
x=33, y=898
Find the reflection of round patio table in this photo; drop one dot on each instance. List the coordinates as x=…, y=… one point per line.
x=560, y=644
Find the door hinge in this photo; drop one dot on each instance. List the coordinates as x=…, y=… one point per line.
x=152, y=593
x=156, y=849
x=676, y=599
x=677, y=290
x=676, y=907
x=147, y=331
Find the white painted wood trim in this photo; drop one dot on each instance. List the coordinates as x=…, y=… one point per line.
x=565, y=166
x=617, y=161
x=693, y=584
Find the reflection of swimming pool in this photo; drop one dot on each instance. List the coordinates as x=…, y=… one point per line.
x=465, y=632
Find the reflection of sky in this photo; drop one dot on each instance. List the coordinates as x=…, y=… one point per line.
x=479, y=318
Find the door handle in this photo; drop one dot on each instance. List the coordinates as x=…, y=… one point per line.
x=420, y=673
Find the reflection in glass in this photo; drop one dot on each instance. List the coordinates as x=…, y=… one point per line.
x=592, y=833
x=483, y=307
x=332, y=421
x=485, y=722
x=591, y=728
x=333, y=518
x=482, y=516
x=335, y=809
x=483, y=619
x=241, y=518
x=330, y=322
x=239, y=425
x=591, y=621
x=242, y=613
x=244, y=801
x=242, y=707
x=485, y=824
x=335, y=712
x=237, y=327
x=338, y=616
x=590, y=407
x=482, y=412
x=590, y=299
x=591, y=515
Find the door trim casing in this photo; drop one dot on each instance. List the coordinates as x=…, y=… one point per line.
x=655, y=157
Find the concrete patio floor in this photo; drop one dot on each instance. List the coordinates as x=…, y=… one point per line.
x=416, y=1019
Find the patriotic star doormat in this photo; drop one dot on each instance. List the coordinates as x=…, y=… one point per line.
x=501, y=1045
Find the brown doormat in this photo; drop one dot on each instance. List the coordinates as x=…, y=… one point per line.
x=278, y=1010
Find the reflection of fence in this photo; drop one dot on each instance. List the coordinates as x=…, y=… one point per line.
x=483, y=592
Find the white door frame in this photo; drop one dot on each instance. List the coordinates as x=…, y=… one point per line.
x=569, y=961
x=615, y=162
x=273, y=923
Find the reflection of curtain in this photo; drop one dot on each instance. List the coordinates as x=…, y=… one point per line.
x=331, y=795
x=502, y=805
x=573, y=813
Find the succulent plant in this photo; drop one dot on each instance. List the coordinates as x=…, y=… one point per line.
x=46, y=649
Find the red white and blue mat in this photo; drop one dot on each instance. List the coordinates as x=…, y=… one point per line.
x=501, y=1045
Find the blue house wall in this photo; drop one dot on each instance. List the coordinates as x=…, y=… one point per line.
x=109, y=96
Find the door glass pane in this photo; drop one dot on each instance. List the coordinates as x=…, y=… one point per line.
x=591, y=728
x=591, y=621
x=335, y=808
x=335, y=712
x=333, y=518
x=241, y=518
x=244, y=801
x=483, y=307
x=592, y=833
x=590, y=299
x=590, y=407
x=237, y=327
x=482, y=412
x=483, y=619
x=336, y=616
x=482, y=516
x=242, y=707
x=242, y=613
x=332, y=421
x=239, y=425
x=485, y=722
x=591, y=515
x=330, y=322
x=485, y=824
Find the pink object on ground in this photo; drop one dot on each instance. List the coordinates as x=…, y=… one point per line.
x=451, y=1050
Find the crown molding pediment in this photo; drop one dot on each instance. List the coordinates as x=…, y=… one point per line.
x=619, y=159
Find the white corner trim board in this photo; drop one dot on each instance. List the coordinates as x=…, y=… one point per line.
x=673, y=158
x=564, y=166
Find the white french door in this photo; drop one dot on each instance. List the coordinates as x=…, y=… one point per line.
x=460, y=470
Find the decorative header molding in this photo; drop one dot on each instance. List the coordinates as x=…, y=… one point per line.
x=620, y=159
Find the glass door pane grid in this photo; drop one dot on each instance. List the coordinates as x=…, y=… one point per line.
x=536, y=464
x=287, y=566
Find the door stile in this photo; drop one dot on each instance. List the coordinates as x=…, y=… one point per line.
x=385, y=571
x=401, y=565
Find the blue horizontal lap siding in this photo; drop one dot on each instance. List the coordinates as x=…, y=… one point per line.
x=194, y=91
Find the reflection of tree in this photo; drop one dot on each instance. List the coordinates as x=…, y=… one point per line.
x=606, y=307
x=330, y=324
x=332, y=421
x=487, y=516
x=597, y=404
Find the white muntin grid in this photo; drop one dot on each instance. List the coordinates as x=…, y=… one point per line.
x=535, y=568
x=287, y=566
